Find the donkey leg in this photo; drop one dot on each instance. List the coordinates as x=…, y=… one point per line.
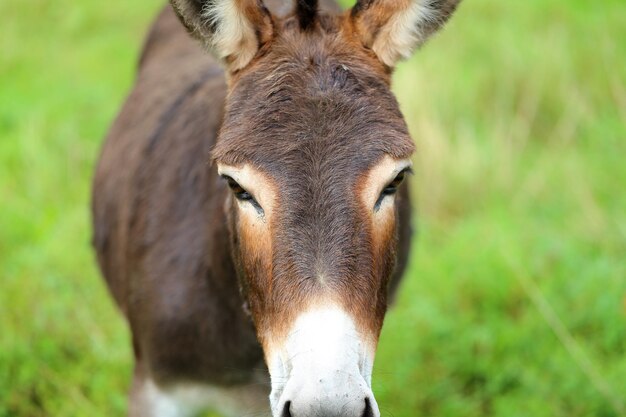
x=147, y=399
x=239, y=401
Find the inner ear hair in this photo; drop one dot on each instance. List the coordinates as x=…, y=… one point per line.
x=232, y=30
x=393, y=29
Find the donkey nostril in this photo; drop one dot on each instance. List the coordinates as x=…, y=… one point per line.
x=368, y=412
x=286, y=412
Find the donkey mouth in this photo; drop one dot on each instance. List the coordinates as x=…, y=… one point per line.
x=323, y=368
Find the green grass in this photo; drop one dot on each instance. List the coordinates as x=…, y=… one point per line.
x=515, y=300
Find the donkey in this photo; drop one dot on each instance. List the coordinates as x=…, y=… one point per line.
x=249, y=208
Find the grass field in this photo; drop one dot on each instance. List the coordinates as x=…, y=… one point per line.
x=515, y=301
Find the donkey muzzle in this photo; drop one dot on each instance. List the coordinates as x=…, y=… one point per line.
x=323, y=368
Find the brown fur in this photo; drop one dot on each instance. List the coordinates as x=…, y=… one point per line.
x=307, y=100
x=313, y=112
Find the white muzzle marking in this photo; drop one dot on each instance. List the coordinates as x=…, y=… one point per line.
x=323, y=368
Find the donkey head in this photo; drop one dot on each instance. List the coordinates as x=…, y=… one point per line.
x=315, y=150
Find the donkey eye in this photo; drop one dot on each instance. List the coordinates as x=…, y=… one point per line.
x=391, y=188
x=242, y=195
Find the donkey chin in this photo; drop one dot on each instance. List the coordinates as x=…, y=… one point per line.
x=323, y=368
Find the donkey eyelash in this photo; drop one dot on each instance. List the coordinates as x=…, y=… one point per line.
x=392, y=188
x=242, y=195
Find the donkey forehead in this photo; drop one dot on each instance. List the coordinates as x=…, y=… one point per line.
x=300, y=166
x=309, y=122
x=312, y=101
x=289, y=160
x=324, y=162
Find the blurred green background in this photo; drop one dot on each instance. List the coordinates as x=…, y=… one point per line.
x=515, y=300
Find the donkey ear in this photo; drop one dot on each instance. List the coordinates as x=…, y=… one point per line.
x=393, y=29
x=232, y=30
